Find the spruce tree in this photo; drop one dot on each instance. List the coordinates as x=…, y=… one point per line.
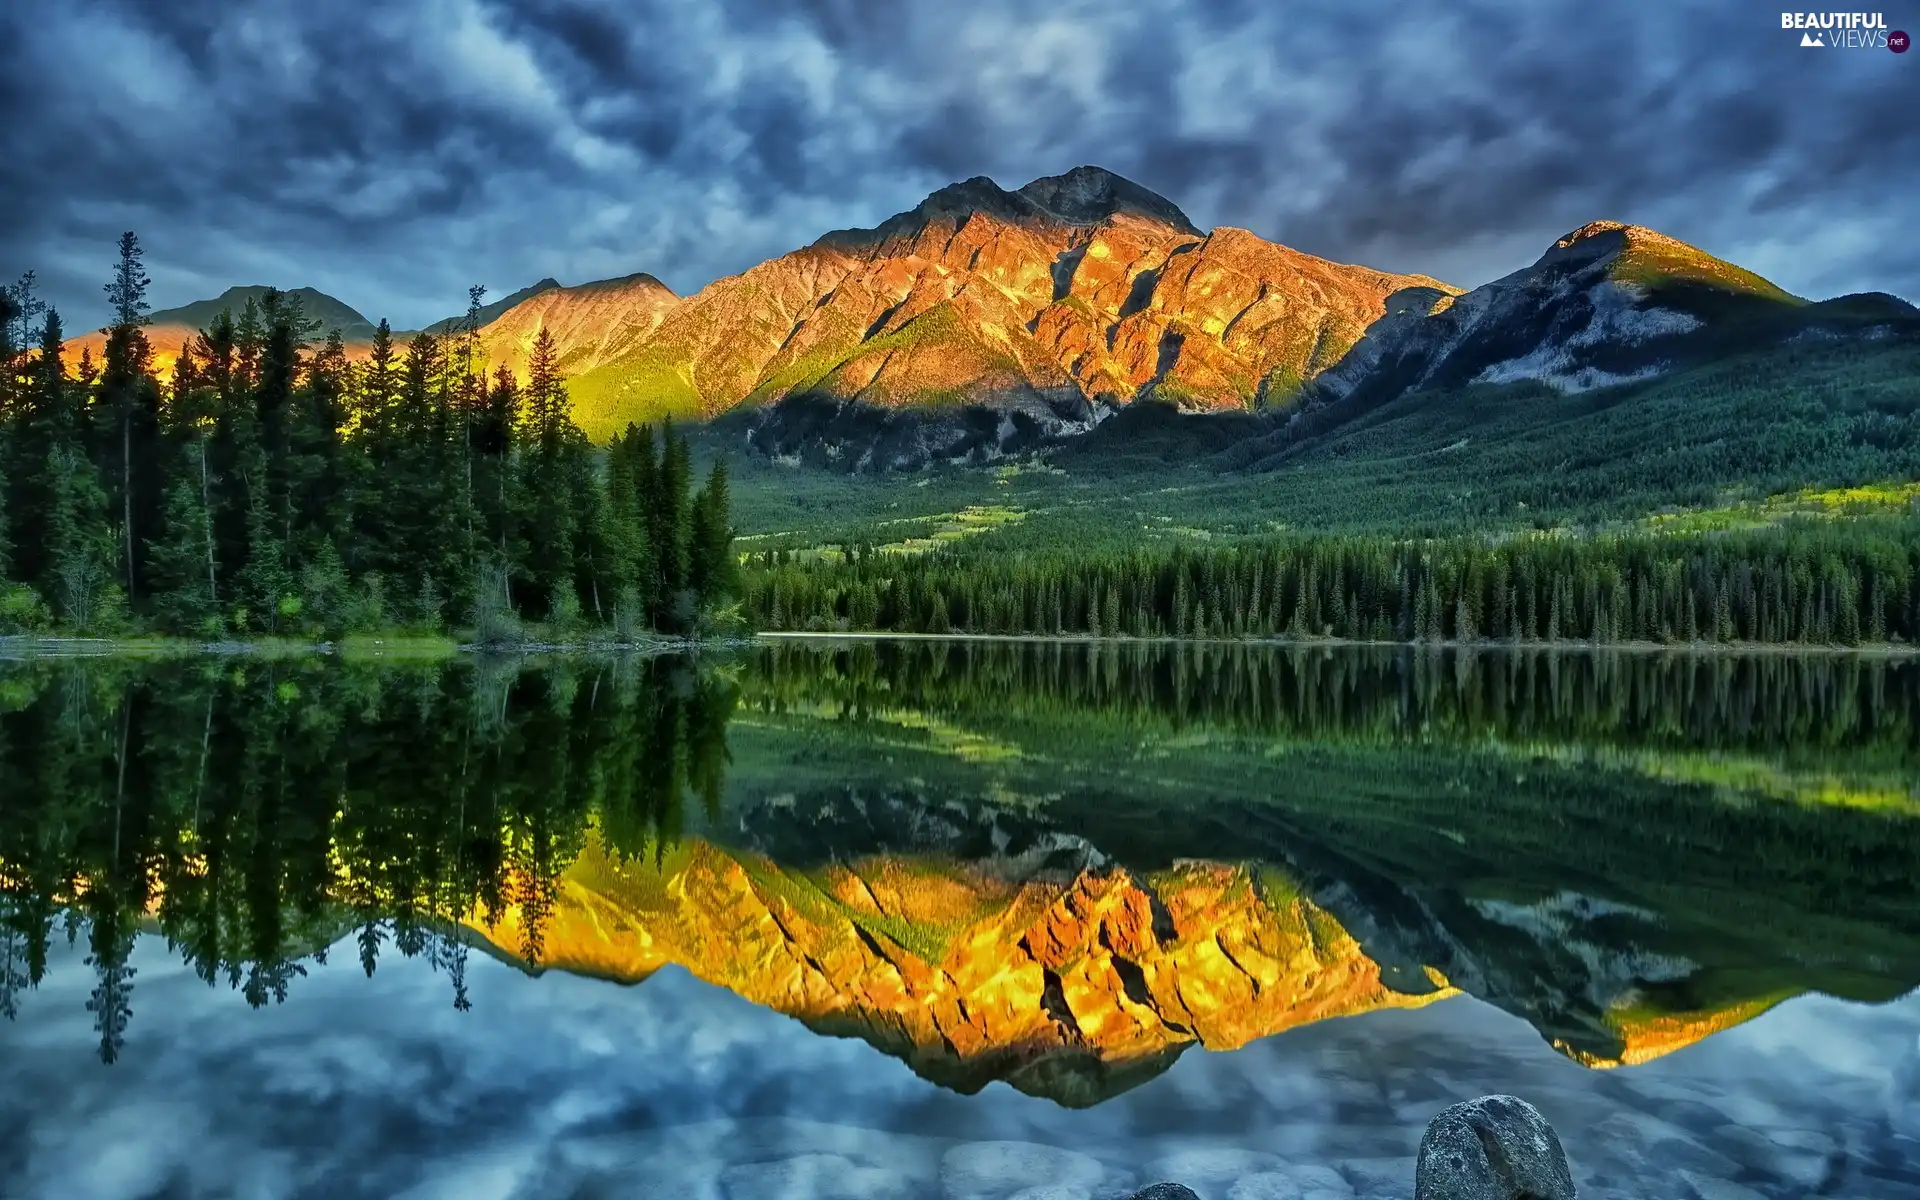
x=19, y=331
x=184, y=600
x=9, y=351
x=317, y=474
x=671, y=527
x=129, y=424
x=225, y=403
x=6, y=534
x=553, y=527
x=375, y=461
x=493, y=445
x=644, y=468
x=78, y=582
x=45, y=417
x=625, y=530
x=276, y=404
x=712, y=564
x=266, y=582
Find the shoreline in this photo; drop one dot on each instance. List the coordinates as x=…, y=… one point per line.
x=1893, y=650
x=356, y=648
x=416, y=647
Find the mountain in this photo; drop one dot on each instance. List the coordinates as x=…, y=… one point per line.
x=983, y=319
x=489, y=312
x=331, y=314
x=592, y=324
x=171, y=328
x=1607, y=304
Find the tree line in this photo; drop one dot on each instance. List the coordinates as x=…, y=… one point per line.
x=1789, y=708
x=1807, y=582
x=271, y=486
x=260, y=814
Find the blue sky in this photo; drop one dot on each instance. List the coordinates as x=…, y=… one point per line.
x=391, y=154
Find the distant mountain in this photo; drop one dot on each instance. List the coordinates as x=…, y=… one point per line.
x=329, y=312
x=171, y=328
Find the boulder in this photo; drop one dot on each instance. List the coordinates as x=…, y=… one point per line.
x=1165, y=1191
x=1493, y=1148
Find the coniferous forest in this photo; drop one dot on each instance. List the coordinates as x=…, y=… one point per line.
x=271, y=488
x=1845, y=583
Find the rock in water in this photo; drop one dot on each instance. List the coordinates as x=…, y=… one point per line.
x=1493, y=1148
x=1165, y=1191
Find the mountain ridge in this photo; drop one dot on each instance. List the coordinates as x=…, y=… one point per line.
x=984, y=321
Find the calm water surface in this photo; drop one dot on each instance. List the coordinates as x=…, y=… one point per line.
x=955, y=919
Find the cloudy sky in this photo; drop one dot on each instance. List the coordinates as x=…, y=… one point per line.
x=392, y=153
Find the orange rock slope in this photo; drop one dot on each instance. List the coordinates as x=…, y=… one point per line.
x=1074, y=988
x=1074, y=291
x=1080, y=287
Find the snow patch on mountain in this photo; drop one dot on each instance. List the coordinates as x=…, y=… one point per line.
x=1555, y=368
x=1616, y=319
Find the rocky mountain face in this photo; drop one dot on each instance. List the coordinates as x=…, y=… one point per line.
x=985, y=319
x=592, y=324
x=491, y=312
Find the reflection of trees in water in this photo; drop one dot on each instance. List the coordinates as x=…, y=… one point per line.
x=1762, y=807
x=1695, y=701
x=256, y=812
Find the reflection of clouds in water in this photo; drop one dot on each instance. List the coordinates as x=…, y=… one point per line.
x=565, y=1085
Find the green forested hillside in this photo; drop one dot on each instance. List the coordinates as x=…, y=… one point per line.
x=1762, y=499
x=1813, y=415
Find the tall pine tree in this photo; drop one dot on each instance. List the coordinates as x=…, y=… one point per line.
x=128, y=402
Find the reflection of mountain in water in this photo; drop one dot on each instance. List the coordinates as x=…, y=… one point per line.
x=975, y=943
x=1059, y=866
x=1074, y=986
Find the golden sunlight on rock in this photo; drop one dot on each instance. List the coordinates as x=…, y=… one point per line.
x=1647, y=1035
x=1074, y=988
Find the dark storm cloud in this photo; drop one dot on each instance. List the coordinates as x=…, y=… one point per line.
x=391, y=154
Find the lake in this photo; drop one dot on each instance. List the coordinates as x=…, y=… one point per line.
x=851, y=920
